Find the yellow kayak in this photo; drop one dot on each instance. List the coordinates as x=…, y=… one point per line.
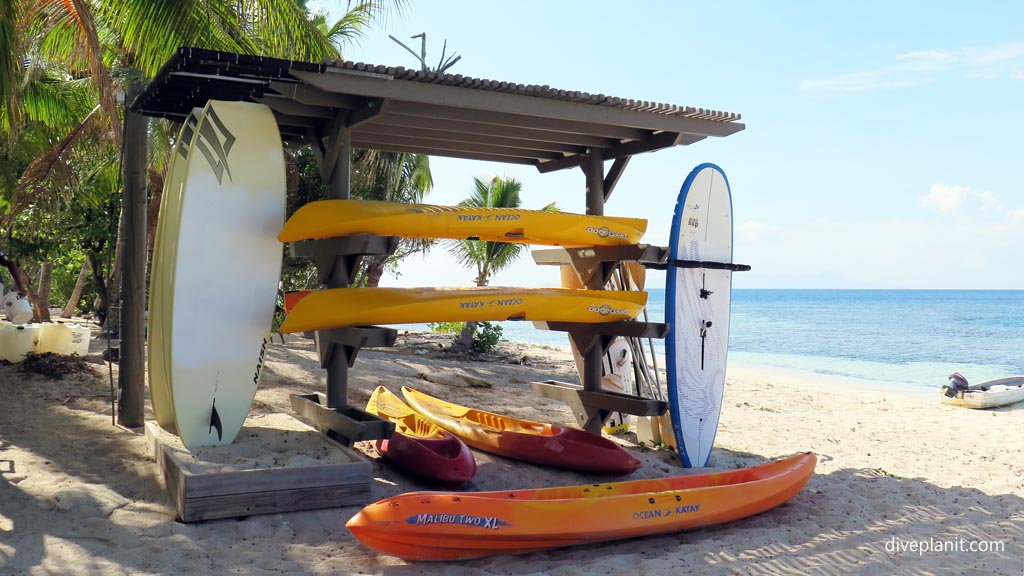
x=331, y=218
x=337, y=307
x=418, y=445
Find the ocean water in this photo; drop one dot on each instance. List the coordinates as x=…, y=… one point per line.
x=912, y=339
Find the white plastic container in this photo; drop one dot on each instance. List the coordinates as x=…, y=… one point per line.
x=79, y=344
x=6, y=331
x=55, y=338
x=21, y=341
x=17, y=308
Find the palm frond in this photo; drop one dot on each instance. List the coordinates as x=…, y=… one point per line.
x=489, y=257
x=10, y=66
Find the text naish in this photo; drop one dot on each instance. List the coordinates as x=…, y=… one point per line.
x=491, y=523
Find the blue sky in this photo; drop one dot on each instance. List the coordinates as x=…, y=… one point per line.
x=882, y=147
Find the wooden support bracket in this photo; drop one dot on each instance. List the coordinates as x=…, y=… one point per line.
x=350, y=340
x=592, y=408
x=589, y=261
x=333, y=256
x=586, y=335
x=344, y=424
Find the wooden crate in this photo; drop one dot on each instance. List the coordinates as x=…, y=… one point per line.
x=276, y=464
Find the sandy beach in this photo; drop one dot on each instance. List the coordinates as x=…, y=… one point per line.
x=79, y=495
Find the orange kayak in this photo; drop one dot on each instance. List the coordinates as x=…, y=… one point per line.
x=418, y=445
x=523, y=439
x=465, y=525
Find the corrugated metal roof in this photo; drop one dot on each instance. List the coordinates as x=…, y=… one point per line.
x=460, y=81
x=406, y=110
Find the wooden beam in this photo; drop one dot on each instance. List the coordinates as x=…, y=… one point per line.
x=370, y=111
x=298, y=122
x=614, y=173
x=313, y=96
x=432, y=146
x=567, y=162
x=294, y=108
x=519, y=120
x=656, y=142
x=465, y=127
x=380, y=127
x=339, y=129
x=336, y=80
x=447, y=153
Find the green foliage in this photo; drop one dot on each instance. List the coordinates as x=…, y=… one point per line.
x=445, y=327
x=60, y=190
x=485, y=336
x=486, y=256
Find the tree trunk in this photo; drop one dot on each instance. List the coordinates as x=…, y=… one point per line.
x=76, y=294
x=112, y=322
x=469, y=328
x=45, y=287
x=374, y=270
x=131, y=363
x=29, y=290
x=466, y=336
x=101, y=287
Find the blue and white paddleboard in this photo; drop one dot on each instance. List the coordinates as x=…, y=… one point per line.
x=697, y=297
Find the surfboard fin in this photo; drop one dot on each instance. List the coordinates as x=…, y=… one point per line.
x=215, y=422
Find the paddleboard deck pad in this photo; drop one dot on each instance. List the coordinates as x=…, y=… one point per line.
x=331, y=218
x=339, y=307
x=698, y=293
x=226, y=269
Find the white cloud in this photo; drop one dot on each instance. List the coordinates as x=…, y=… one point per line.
x=964, y=199
x=917, y=68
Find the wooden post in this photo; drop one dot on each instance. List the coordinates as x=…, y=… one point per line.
x=595, y=206
x=131, y=375
x=340, y=187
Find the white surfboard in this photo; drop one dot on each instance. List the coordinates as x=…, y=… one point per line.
x=697, y=309
x=226, y=269
x=161, y=282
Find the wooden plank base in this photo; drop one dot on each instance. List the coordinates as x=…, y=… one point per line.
x=276, y=464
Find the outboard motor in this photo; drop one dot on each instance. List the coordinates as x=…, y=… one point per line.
x=957, y=384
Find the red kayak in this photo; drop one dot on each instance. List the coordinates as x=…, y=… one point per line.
x=417, y=445
x=525, y=440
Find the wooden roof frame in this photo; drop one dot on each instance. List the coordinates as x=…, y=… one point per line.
x=403, y=110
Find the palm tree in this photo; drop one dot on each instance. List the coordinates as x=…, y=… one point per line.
x=107, y=44
x=391, y=177
x=486, y=256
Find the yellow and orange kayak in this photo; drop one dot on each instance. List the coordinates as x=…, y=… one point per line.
x=331, y=218
x=464, y=525
x=418, y=445
x=339, y=307
x=536, y=442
